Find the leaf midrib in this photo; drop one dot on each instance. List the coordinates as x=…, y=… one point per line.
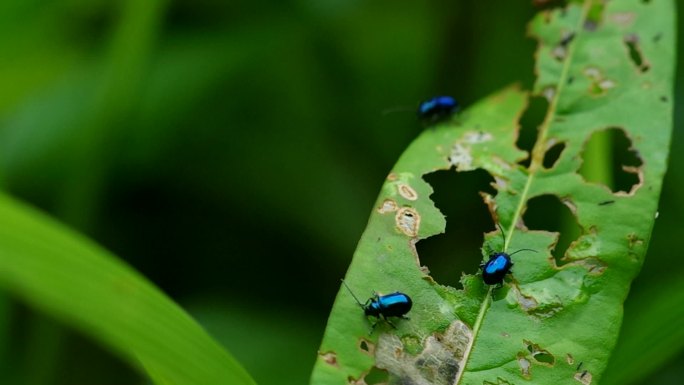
x=537, y=158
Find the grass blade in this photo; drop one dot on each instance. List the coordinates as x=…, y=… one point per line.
x=74, y=280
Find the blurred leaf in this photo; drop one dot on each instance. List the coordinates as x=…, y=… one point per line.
x=258, y=337
x=651, y=336
x=98, y=134
x=556, y=321
x=5, y=331
x=70, y=278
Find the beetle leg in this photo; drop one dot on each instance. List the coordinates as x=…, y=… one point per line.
x=372, y=328
x=388, y=321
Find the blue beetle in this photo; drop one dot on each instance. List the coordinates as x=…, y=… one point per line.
x=382, y=306
x=494, y=270
x=499, y=264
x=437, y=108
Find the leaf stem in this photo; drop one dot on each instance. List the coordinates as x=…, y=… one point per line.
x=476, y=330
x=535, y=164
x=540, y=145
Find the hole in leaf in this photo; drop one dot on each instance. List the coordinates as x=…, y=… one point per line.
x=530, y=121
x=366, y=346
x=547, y=212
x=544, y=357
x=632, y=42
x=594, y=16
x=552, y=154
x=608, y=158
x=540, y=355
x=457, y=196
x=560, y=51
x=599, y=83
x=376, y=376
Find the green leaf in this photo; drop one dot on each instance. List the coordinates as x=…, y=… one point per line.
x=605, y=69
x=74, y=280
x=652, y=336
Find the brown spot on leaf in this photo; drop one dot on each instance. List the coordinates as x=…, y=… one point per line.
x=437, y=363
x=624, y=19
x=408, y=221
x=525, y=366
x=407, y=192
x=569, y=359
x=549, y=93
x=526, y=302
x=387, y=206
x=461, y=158
x=477, y=137
x=330, y=358
x=634, y=240
x=534, y=308
x=594, y=266
x=584, y=377
x=599, y=85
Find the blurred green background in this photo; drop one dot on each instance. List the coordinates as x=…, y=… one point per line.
x=232, y=151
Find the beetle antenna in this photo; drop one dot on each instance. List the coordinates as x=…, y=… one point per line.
x=517, y=251
x=392, y=110
x=352, y=293
x=503, y=236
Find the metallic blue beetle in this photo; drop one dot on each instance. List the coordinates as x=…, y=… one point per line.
x=494, y=270
x=499, y=264
x=437, y=108
x=382, y=306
